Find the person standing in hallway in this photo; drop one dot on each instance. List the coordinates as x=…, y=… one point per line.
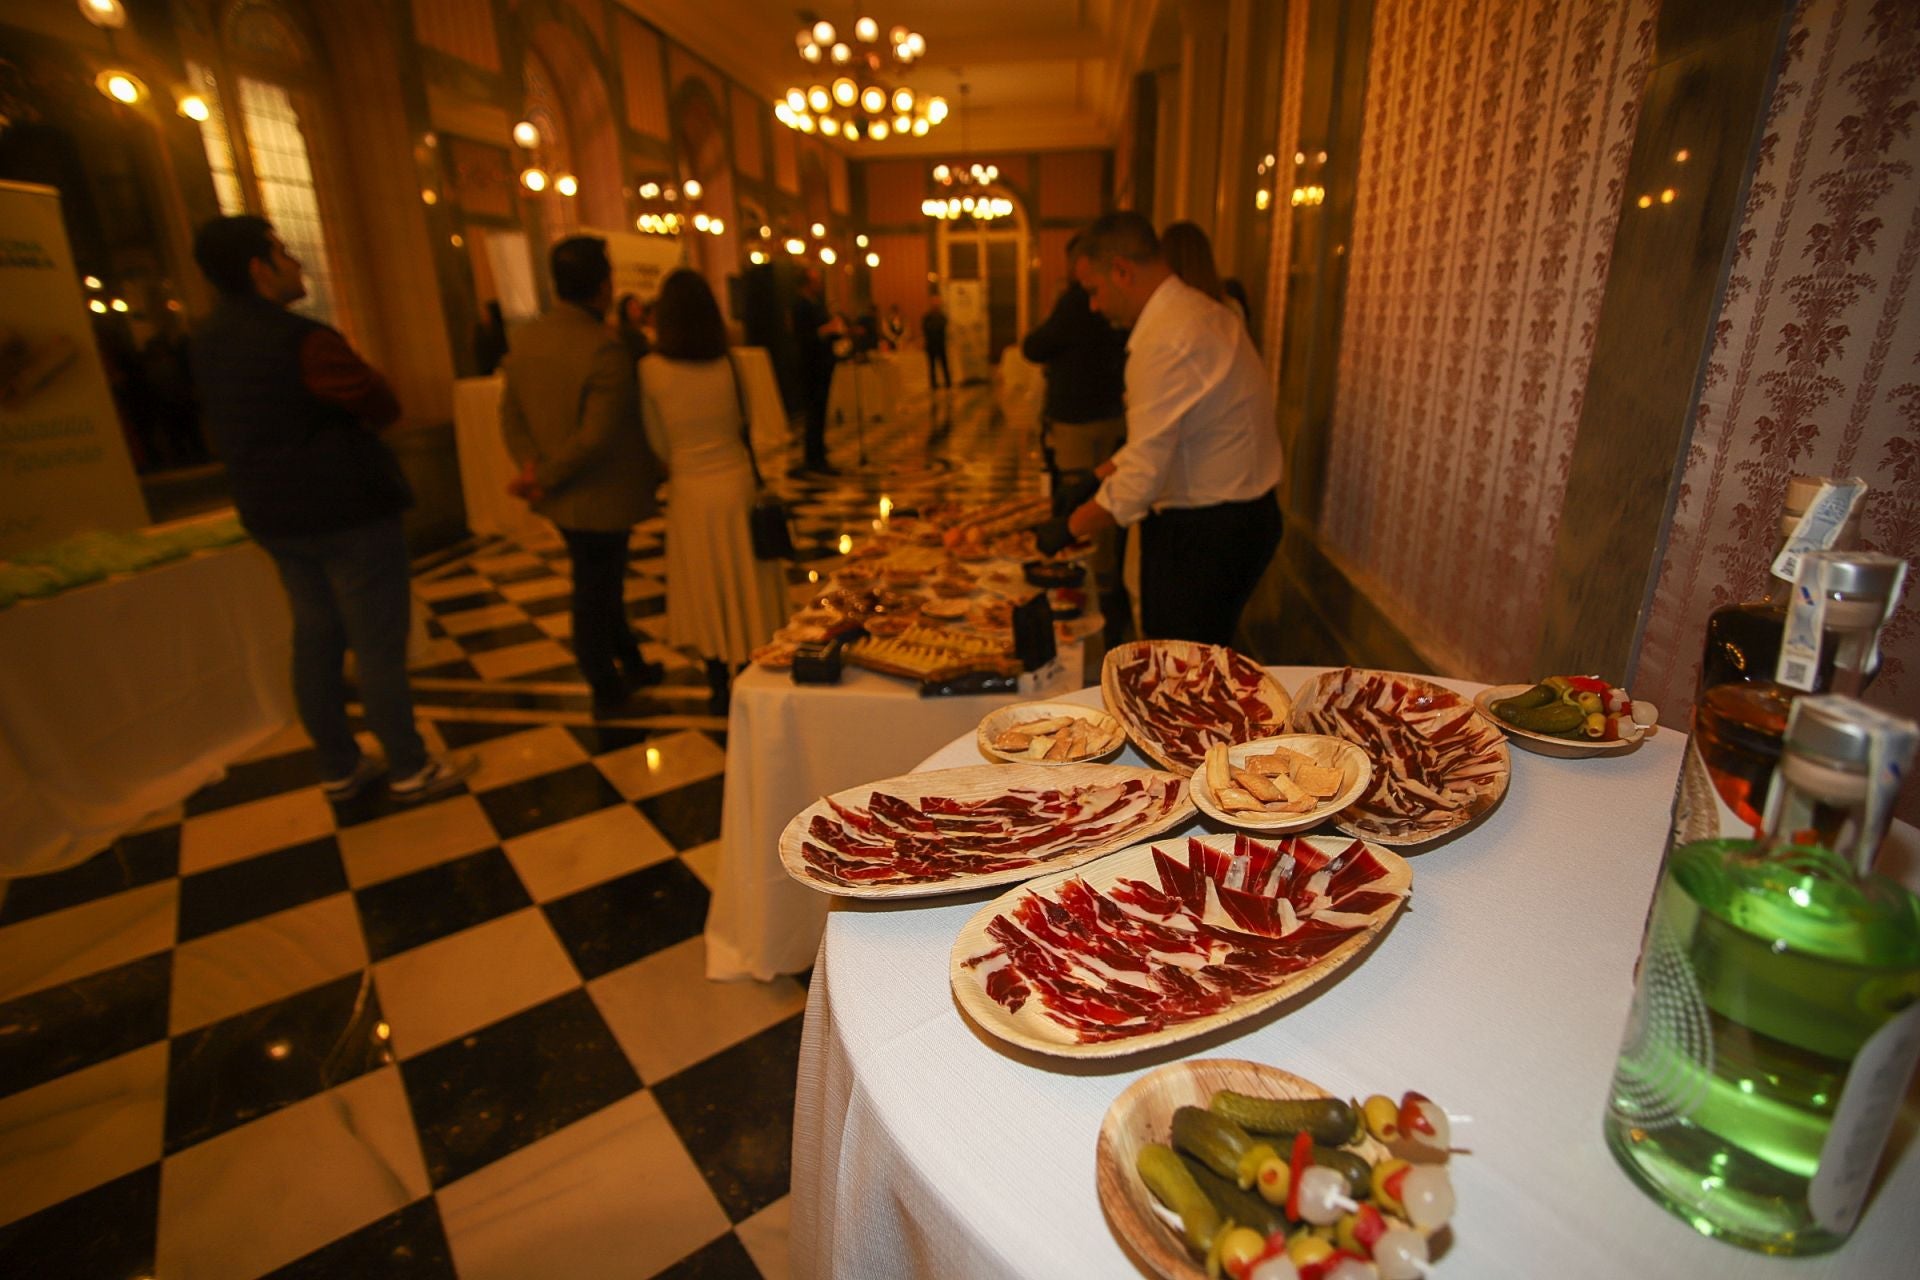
x=1084, y=418
x=726, y=603
x=1202, y=463
x=570, y=413
x=814, y=330
x=294, y=412
x=933, y=333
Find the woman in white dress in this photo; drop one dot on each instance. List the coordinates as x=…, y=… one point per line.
x=721, y=601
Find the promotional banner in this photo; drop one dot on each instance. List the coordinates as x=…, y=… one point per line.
x=64, y=466
x=640, y=262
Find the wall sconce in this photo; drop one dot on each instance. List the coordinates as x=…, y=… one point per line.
x=873, y=259
x=122, y=86
x=692, y=187
x=534, y=180
x=796, y=246
x=827, y=255
x=567, y=185
x=527, y=134
x=194, y=107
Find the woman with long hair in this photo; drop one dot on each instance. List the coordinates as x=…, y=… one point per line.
x=1189, y=255
x=721, y=602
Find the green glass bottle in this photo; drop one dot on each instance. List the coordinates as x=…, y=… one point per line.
x=1776, y=1018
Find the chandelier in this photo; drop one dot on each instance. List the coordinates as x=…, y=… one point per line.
x=966, y=186
x=666, y=210
x=860, y=100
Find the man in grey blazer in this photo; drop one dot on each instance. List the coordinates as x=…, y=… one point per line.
x=571, y=417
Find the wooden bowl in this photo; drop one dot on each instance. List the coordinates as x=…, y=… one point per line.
x=1356, y=771
x=999, y=721
x=1143, y=1114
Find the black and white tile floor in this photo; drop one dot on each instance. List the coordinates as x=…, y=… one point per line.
x=263, y=1035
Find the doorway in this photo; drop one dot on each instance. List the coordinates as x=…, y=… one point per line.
x=995, y=257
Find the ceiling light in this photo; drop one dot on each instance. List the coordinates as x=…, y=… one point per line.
x=796, y=100
x=796, y=246
x=98, y=307
x=567, y=185
x=845, y=91
x=873, y=99
x=92, y=282
x=810, y=51
x=829, y=126
x=842, y=55
x=878, y=130
x=692, y=187
x=109, y=14
x=823, y=32
x=122, y=86
x=873, y=259
x=920, y=127
x=827, y=255
x=700, y=221
x=818, y=98
x=527, y=133
x=903, y=100
x=819, y=229
x=757, y=258
x=861, y=240
x=716, y=226
x=917, y=44
x=429, y=196
x=936, y=109
x=119, y=304
x=649, y=190
x=866, y=29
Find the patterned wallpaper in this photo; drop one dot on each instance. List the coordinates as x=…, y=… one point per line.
x=1816, y=361
x=1495, y=141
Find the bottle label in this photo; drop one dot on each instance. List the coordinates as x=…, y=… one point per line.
x=1868, y=1103
x=1666, y=1056
x=1820, y=524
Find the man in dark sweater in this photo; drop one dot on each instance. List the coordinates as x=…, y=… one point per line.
x=1084, y=419
x=293, y=412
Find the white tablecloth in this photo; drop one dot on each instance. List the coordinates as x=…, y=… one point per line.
x=486, y=466
x=790, y=744
x=878, y=383
x=922, y=1147
x=128, y=695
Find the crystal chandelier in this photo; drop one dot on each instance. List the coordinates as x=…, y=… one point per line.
x=965, y=187
x=859, y=101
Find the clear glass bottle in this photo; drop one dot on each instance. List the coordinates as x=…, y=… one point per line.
x=1737, y=727
x=1743, y=640
x=1776, y=1017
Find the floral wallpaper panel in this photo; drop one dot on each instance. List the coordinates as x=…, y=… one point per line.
x=1495, y=141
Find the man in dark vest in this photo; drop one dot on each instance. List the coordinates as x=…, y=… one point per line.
x=293, y=412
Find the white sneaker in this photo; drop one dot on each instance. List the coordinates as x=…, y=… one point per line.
x=364, y=775
x=440, y=775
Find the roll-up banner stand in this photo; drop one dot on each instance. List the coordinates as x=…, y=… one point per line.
x=64, y=466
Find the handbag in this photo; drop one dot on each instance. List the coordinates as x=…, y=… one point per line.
x=768, y=522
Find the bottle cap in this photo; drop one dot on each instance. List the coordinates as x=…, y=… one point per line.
x=1860, y=575
x=1824, y=730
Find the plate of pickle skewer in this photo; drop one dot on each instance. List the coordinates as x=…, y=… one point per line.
x=1570, y=717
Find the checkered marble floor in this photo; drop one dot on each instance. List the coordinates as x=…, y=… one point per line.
x=267, y=1036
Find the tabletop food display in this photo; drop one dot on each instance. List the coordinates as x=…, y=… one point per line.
x=931, y=596
x=1776, y=1015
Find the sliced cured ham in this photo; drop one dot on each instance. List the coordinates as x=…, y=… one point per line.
x=947, y=831
x=1212, y=926
x=1177, y=698
x=1437, y=763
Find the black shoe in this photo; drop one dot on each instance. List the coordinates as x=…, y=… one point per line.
x=645, y=675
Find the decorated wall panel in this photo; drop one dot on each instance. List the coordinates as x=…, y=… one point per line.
x=1815, y=367
x=640, y=70
x=1495, y=140
x=749, y=128
x=901, y=278
x=894, y=190
x=1072, y=184
x=463, y=28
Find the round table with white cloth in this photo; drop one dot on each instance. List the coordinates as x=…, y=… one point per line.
x=925, y=1147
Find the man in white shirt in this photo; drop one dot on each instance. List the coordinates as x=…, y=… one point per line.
x=1202, y=460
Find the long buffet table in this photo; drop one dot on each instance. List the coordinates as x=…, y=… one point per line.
x=128, y=695
x=924, y=1147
